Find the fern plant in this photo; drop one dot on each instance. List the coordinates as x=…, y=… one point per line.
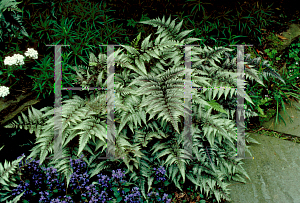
x=149, y=112
x=7, y=181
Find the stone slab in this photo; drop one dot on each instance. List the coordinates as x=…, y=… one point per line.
x=274, y=173
x=290, y=35
x=10, y=108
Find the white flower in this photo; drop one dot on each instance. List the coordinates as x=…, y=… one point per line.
x=31, y=53
x=9, y=61
x=18, y=59
x=4, y=91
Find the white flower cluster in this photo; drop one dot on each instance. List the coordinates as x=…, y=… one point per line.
x=31, y=53
x=4, y=91
x=18, y=59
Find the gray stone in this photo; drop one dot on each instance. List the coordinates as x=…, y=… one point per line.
x=10, y=108
x=275, y=169
x=274, y=173
x=292, y=34
x=288, y=37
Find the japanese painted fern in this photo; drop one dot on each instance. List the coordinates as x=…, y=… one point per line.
x=149, y=112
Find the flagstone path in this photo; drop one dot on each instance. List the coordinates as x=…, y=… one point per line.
x=275, y=169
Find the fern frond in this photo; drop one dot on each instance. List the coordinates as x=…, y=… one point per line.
x=133, y=115
x=269, y=72
x=156, y=102
x=63, y=165
x=6, y=180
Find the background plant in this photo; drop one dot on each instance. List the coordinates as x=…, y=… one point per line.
x=58, y=26
x=208, y=18
x=10, y=21
x=280, y=89
x=273, y=41
x=245, y=20
x=292, y=63
x=55, y=28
